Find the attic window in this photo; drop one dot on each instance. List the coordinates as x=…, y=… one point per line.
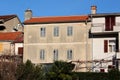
x=2, y=27
x=1, y=22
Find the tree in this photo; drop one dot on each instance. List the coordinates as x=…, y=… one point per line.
x=28, y=71
x=60, y=70
x=39, y=74
x=114, y=74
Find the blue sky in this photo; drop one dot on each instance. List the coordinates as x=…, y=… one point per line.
x=57, y=7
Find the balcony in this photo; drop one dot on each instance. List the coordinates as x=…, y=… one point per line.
x=100, y=28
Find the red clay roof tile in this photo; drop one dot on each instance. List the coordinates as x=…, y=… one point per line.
x=56, y=19
x=4, y=36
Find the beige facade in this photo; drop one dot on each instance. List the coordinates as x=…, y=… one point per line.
x=78, y=42
x=11, y=23
x=5, y=48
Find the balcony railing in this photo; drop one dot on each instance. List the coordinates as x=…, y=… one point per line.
x=100, y=27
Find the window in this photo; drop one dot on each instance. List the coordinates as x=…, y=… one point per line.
x=112, y=47
x=69, y=54
x=109, y=23
x=109, y=46
x=69, y=31
x=43, y=31
x=55, y=55
x=56, y=31
x=42, y=54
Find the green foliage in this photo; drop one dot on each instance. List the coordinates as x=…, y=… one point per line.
x=60, y=70
x=25, y=71
x=28, y=71
x=38, y=73
x=114, y=74
x=91, y=76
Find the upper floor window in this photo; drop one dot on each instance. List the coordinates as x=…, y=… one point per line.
x=69, y=31
x=55, y=55
x=42, y=54
x=43, y=31
x=56, y=31
x=69, y=54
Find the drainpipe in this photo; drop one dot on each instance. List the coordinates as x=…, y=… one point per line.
x=92, y=44
x=86, y=44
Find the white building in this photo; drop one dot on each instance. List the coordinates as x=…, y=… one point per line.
x=105, y=34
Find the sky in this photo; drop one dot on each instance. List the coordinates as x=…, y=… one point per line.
x=41, y=8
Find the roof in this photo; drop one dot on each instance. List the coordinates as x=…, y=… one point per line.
x=7, y=17
x=10, y=36
x=104, y=14
x=37, y=20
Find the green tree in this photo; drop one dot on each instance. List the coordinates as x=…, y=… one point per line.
x=60, y=70
x=39, y=74
x=114, y=74
x=28, y=71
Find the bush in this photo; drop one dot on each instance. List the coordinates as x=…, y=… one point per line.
x=28, y=71
x=114, y=74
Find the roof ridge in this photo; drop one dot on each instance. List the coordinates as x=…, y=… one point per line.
x=9, y=15
x=57, y=16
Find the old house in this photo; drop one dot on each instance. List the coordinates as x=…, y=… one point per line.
x=47, y=39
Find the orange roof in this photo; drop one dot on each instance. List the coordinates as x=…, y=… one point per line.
x=9, y=36
x=56, y=19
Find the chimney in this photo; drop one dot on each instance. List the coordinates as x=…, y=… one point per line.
x=28, y=14
x=93, y=9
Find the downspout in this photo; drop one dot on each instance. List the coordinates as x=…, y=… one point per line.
x=86, y=44
x=92, y=43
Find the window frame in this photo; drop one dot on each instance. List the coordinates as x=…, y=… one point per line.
x=69, y=31
x=42, y=31
x=56, y=31
x=69, y=54
x=109, y=46
x=55, y=54
x=42, y=54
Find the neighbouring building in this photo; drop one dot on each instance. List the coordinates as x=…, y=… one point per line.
x=105, y=35
x=11, y=35
x=11, y=43
x=47, y=39
x=10, y=23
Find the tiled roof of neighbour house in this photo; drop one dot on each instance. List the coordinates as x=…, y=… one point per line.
x=10, y=36
x=19, y=39
x=56, y=19
x=7, y=17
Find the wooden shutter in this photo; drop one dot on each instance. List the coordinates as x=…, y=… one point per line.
x=105, y=46
x=20, y=51
x=107, y=23
x=112, y=22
